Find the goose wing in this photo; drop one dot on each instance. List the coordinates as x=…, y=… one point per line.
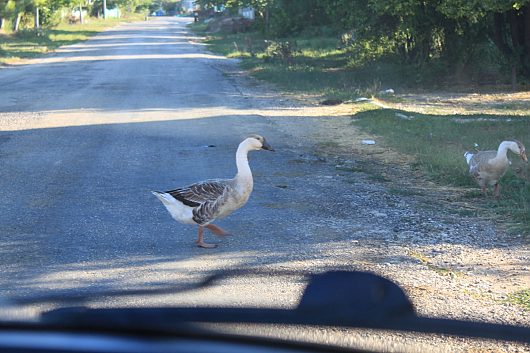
x=479, y=161
x=196, y=194
x=206, y=198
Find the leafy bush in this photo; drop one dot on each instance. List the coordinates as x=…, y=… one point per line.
x=50, y=17
x=30, y=33
x=367, y=51
x=282, y=50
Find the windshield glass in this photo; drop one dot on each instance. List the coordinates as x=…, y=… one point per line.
x=173, y=140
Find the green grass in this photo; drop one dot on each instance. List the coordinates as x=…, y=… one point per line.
x=318, y=65
x=322, y=65
x=30, y=43
x=521, y=298
x=438, y=143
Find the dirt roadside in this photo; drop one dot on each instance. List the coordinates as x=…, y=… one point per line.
x=452, y=265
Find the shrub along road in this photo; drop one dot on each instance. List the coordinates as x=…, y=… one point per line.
x=87, y=132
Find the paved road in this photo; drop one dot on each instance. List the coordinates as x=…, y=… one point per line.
x=89, y=130
x=85, y=133
x=97, y=126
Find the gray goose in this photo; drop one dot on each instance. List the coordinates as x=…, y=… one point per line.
x=206, y=201
x=488, y=167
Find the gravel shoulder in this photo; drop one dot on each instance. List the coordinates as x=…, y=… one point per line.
x=402, y=226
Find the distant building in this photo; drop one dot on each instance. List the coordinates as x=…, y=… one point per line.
x=247, y=12
x=113, y=13
x=188, y=5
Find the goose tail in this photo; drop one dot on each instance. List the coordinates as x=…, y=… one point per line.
x=177, y=210
x=165, y=198
x=468, y=155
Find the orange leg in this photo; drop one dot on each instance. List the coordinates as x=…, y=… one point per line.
x=200, y=241
x=217, y=230
x=496, y=191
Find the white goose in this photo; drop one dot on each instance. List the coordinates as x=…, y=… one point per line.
x=204, y=202
x=488, y=167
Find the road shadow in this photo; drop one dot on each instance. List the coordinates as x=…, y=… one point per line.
x=85, y=219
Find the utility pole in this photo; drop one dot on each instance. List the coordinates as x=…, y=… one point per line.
x=104, y=9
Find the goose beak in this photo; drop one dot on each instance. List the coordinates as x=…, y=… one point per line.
x=523, y=156
x=266, y=146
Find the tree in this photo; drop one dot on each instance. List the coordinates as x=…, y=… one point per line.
x=506, y=23
x=36, y=6
x=511, y=34
x=129, y=5
x=3, y=13
x=262, y=8
x=20, y=7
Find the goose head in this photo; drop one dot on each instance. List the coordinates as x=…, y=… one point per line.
x=518, y=148
x=257, y=142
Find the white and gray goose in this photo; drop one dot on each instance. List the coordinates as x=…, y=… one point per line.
x=204, y=202
x=488, y=167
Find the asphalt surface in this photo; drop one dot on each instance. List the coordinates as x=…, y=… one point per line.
x=88, y=131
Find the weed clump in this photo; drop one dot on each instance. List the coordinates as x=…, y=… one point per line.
x=282, y=50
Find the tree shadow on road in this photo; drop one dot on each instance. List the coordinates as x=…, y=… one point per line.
x=77, y=213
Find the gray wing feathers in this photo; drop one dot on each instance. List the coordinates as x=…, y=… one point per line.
x=200, y=192
x=207, y=211
x=206, y=198
x=480, y=160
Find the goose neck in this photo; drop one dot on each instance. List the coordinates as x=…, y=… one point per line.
x=243, y=168
x=502, y=152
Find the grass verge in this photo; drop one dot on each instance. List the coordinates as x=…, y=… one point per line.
x=313, y=65
x=29, y=43
x=521, y=298
x=436, y=141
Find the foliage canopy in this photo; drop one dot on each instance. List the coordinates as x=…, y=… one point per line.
x=455, y=32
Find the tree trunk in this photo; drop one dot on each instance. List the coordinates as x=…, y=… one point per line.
x=460, y=69
x=104, y=9
x=499, y=34
x=515, y=29
x=267, y=20
x=16, y=24
x=526, y=40
x=2, y=21
x=526, y=24
x=80, y=14
x=514, y=77
x=37, y=24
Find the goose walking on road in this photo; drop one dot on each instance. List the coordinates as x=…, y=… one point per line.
x=204, y=202
x=488, y=167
